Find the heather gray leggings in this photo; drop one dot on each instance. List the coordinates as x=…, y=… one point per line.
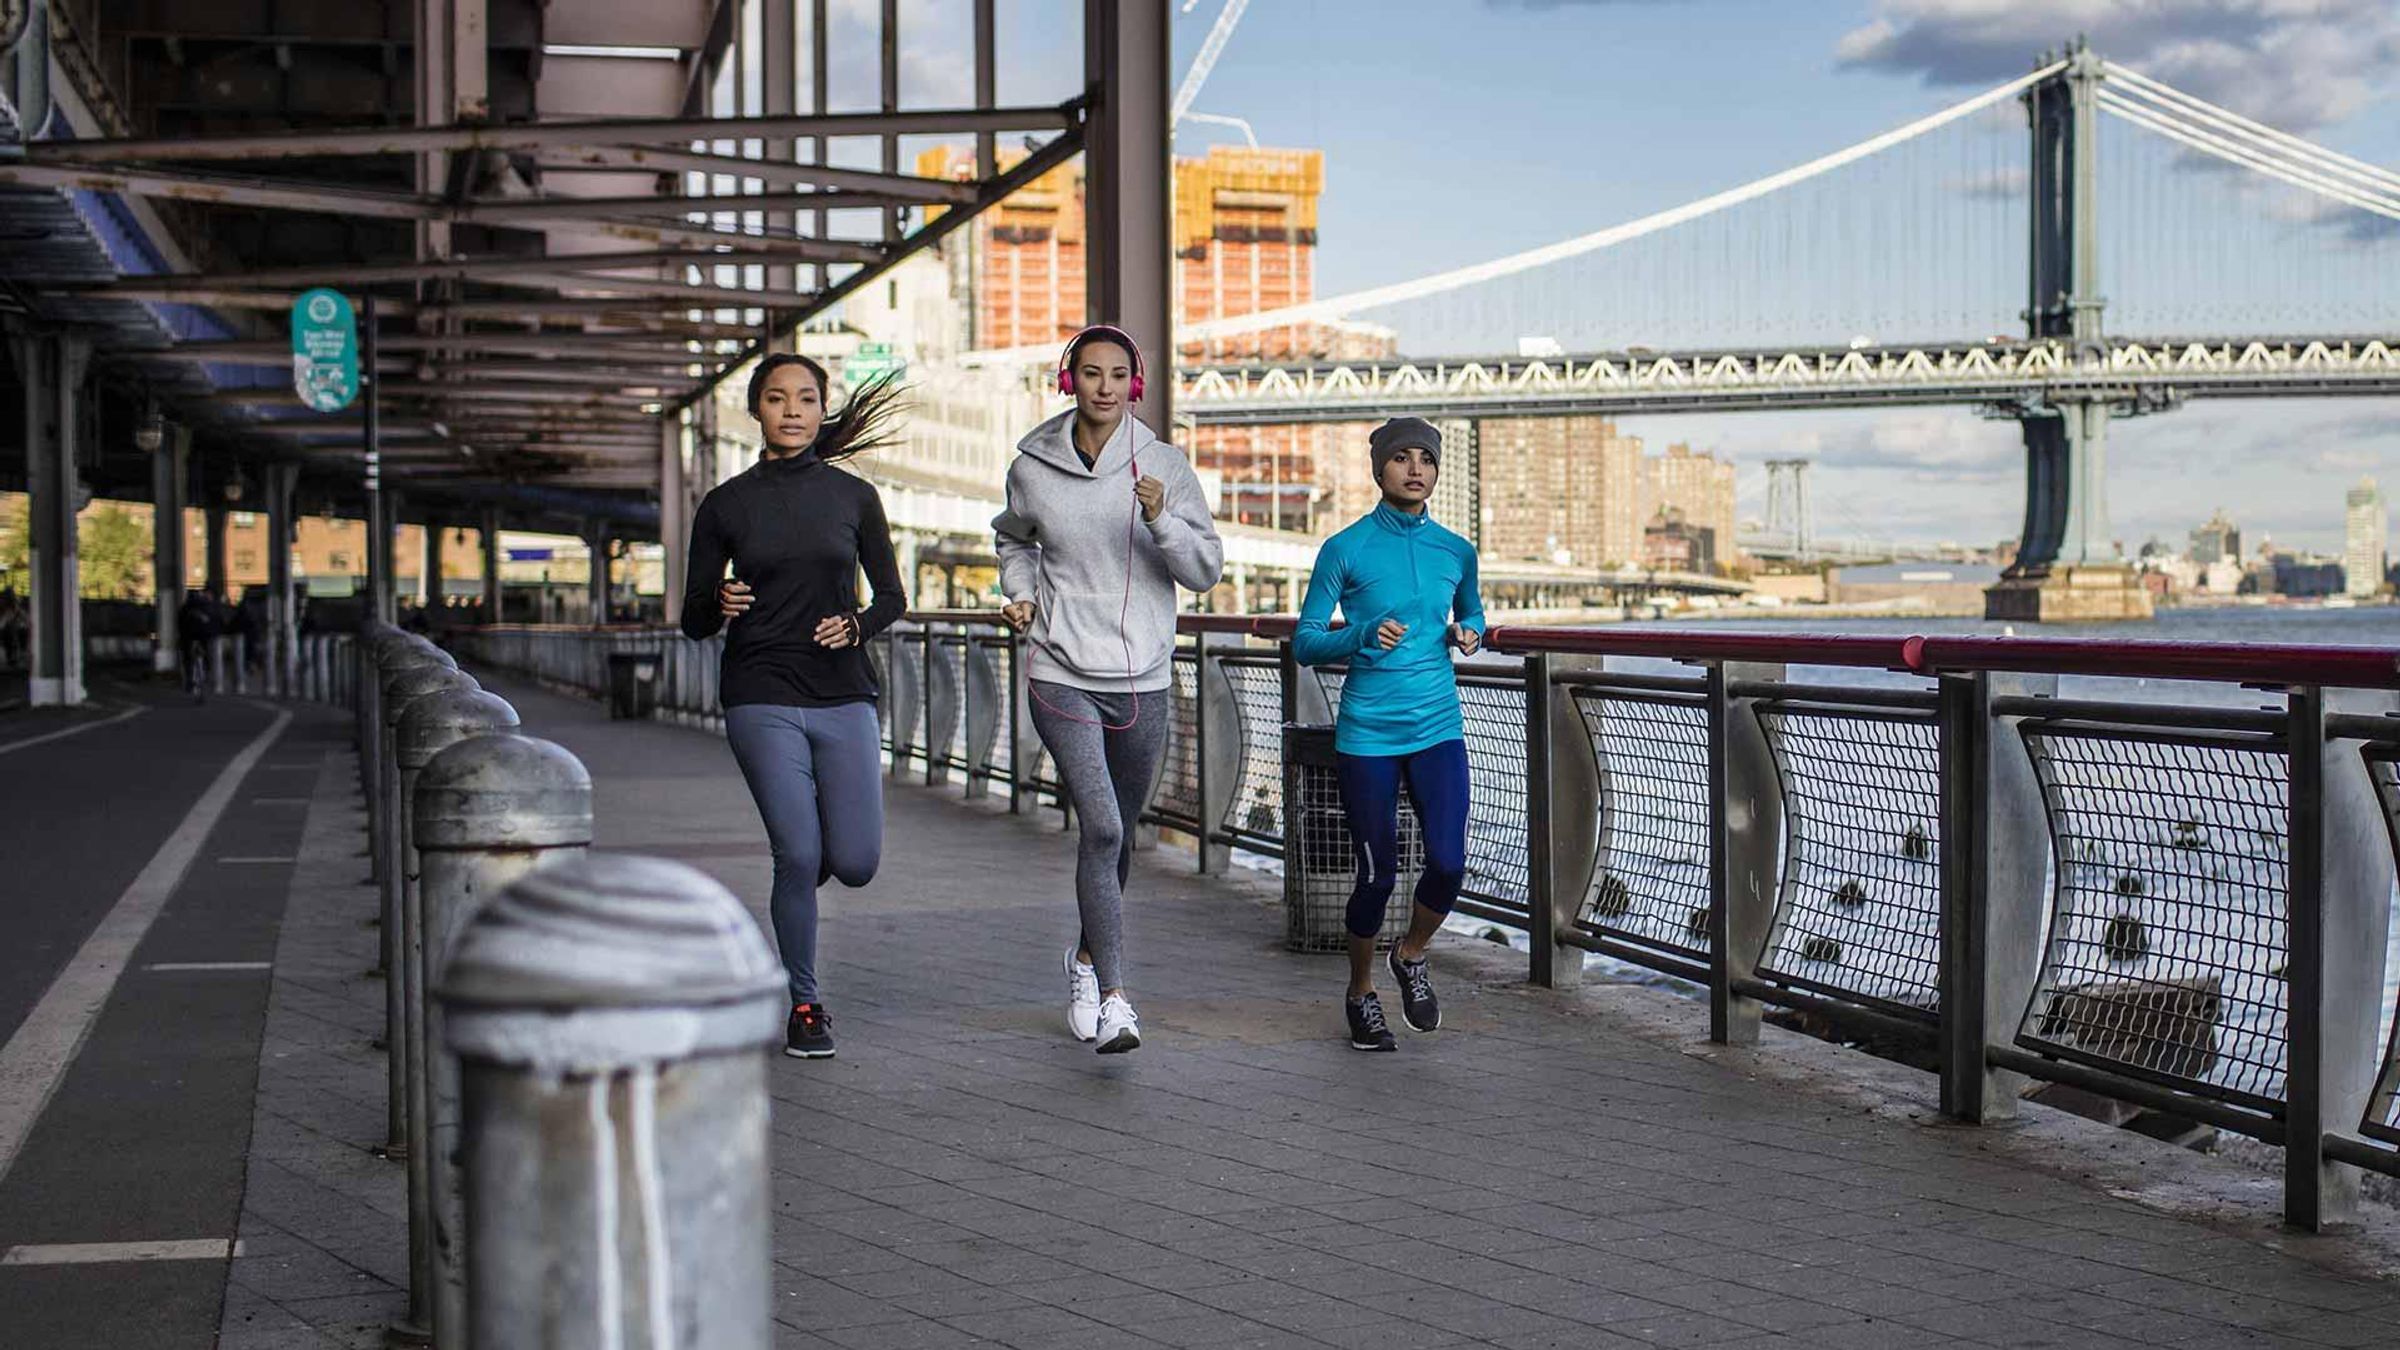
x=815, y=775
x=1107, y=776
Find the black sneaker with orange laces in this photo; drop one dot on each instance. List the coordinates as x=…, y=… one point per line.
x=809, y=1035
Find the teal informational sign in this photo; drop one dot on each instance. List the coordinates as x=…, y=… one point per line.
x=871, y=361
x=324, y=350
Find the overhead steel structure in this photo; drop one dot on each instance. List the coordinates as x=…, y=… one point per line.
x=569, y=219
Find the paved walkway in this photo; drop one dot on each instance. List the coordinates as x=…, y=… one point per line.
x=1569, y=1171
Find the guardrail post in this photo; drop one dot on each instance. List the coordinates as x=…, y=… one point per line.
x=1745, y=829
x=428, y=725
x=404, y=1028
x=489, y=809
x=2340, y=917
x=612, y=1016
x=1995, y=849
x=400, y=668
x=1020, y=727
x=1563, y=824
x=932, y=756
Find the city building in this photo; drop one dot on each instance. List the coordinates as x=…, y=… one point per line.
x=2219, y=538
x=1245, y=238
x=1671, y=542
x=1698, y=488
x=1562, y=490
x=2363, y=552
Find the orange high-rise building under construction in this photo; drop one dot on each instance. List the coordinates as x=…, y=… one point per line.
x=1245, y=241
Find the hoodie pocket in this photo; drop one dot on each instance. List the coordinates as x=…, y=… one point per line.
x=1093, y=632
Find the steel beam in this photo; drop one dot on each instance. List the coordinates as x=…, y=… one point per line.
x=609, y=131
x=773, y=172
x=1128, y=186
x=362, y=273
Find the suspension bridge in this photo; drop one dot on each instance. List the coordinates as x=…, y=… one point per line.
x=2275, y=278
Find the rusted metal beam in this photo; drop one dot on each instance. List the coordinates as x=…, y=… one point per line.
x=775, y=173
x=1033, y=166
x=363, y=273
x=610, y=131
x=512, y=210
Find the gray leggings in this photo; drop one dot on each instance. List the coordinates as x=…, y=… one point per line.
x=1107, y=776
x=817, y=776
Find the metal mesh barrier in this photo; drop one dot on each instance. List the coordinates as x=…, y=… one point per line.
x=1330, y=680
x=2165, y=956
x=1256, y=811
x=1651, y=876
x=2382, y=1120
x=1178, y=799
x=1859, y=910
x=950, y=704
x=879, y=655
x=1004, y=731
x=1498, y=851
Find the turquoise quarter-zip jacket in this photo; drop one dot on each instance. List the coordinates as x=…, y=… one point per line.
x=1391, y=565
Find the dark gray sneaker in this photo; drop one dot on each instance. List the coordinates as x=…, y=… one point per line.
x=1368, y=1030
x=809, y=1033
x=1418, y=1007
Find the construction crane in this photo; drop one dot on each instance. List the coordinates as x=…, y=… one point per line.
x=1206, y=61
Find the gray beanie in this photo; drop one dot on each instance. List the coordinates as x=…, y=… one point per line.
x=1399, y=434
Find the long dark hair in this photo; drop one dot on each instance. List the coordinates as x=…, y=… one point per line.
x=869, y=421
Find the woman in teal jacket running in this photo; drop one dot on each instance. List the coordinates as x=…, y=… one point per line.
x=1407, y=593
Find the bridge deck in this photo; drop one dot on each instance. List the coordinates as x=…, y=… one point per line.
x=1552, y=1170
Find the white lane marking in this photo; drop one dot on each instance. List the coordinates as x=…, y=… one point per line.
x=95, y=1253
x=37, y=1056
x=64, y=732
x=209, y=965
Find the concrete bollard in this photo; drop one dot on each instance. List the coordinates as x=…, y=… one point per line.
x=488, y=810
x=428, y=725
x=409, y=683
x=612, y=1016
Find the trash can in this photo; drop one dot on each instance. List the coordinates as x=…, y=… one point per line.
x=632, y=683
x=1320, y=860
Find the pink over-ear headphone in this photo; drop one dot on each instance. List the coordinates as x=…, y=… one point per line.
x=1066, y=361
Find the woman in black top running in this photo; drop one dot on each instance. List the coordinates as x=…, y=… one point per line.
x=797, y=687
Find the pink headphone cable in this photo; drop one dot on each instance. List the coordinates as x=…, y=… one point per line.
x=1124, y=631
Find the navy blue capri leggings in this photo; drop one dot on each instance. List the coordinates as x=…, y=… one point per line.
x=1436, y=778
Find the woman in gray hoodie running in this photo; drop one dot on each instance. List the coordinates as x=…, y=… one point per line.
x=1103, y=521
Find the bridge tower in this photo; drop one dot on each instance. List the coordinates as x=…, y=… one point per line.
x=1787, y=506
x=2068, y=565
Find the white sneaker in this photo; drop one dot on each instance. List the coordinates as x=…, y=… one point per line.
x=1120, y=1030
x=1083, y=999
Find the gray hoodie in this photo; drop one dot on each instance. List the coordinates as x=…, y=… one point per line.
x=1063, y=542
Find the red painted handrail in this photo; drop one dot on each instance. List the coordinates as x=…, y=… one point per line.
x=2229, y=662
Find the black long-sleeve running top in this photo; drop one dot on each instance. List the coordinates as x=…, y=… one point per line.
x=797, y=531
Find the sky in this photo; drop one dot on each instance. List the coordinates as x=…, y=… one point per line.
x=1456, y=131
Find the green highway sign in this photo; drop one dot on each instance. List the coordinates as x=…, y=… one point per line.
x=324, y=350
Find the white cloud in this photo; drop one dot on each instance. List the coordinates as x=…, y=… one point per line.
x=2297, y=64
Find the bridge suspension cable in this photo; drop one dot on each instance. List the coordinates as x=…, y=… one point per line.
x=2197, y=137
x=1341, y=306
x=2295, y=148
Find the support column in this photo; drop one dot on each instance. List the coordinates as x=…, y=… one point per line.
x=780, y=81
x=212, y=514
x=674, y=513
x=491, y=564
x=50, y=366
x=1127, y=186
x=429, y=579
x=167, y=486
x=283, y=606
x=596, y=538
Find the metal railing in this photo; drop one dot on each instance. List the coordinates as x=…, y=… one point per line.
x=2181, y=901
